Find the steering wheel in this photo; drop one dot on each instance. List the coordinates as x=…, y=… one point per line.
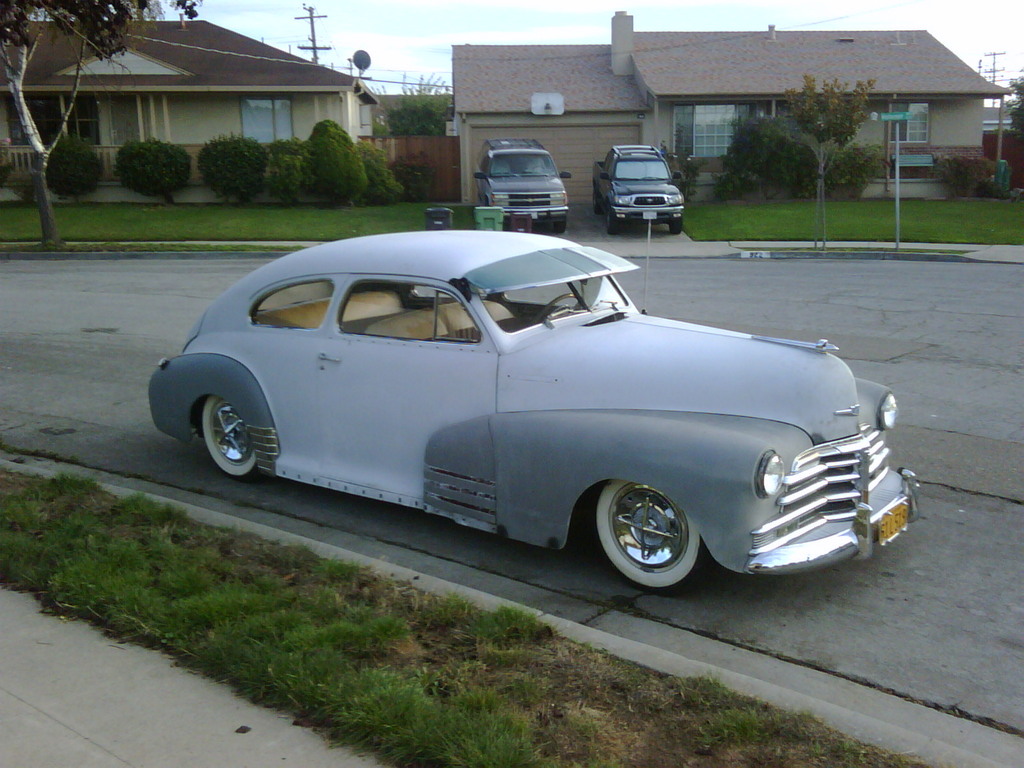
x=550, y=307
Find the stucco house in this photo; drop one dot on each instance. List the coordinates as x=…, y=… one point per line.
x=684, y=90
x=184, y=82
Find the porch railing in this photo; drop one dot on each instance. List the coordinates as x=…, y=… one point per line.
x=21, y=158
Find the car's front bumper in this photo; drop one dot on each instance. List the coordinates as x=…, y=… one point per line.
x=843, y=540
x=559, y=213
x=632, y=212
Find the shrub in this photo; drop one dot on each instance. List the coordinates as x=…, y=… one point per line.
x=381, y=186
x=336, y=171
x=852, y=168
x=962, y=175
x=5, y=166
x=233, y=166
x=74, y=167
x=766, y=156
x=153, y=168
x=415, y=176
x=690, y=168
x=288, y=170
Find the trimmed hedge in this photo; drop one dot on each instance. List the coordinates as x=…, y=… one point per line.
x=74, y=167
x=153, y=167
x=234, y=167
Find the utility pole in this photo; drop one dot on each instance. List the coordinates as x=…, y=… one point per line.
x=993, y=72
x=310, y=11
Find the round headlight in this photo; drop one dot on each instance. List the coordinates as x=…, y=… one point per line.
x=888, y=412
x=770, y=474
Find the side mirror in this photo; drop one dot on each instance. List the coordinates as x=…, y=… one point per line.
x=479, y=175
x=565, y=175
x=677, y=175
x=604, y=175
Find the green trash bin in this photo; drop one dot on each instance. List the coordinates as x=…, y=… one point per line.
x=1002, y=177
x=489, y=217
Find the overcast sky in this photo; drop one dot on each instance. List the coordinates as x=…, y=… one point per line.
x=412, y=39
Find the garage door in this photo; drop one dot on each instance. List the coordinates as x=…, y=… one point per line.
x=574, y=148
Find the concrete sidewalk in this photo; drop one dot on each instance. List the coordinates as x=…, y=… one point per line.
x=69, y=696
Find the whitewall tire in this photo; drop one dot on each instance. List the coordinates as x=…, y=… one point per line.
x=646, y=536
x=227, y=439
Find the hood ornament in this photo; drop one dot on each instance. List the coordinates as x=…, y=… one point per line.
x=853, y=410
x=821, y=345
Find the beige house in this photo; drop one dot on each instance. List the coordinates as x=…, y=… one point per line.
x=684, y=90
x=185, y=83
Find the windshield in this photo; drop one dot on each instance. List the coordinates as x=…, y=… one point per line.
x=641, y=170
x=521, y=308
x=523, y=165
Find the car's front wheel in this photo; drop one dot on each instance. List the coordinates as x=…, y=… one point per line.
x=227, y=439
x=646, y=536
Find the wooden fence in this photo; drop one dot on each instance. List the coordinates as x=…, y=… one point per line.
x=1013, y=153
x=21, y=158
x=439, y=152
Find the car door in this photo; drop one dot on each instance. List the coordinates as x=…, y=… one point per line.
x=404, y=358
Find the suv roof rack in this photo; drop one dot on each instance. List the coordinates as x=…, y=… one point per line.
x=636, y=149
x=513, y=144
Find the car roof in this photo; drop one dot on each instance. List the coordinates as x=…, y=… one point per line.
x=446, y=255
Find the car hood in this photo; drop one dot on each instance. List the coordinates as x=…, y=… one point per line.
x=648, y=363
x=623, y=187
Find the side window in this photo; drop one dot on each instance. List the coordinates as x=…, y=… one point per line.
x=301, y=305
x=407, y=311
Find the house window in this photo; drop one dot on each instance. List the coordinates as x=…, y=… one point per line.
x=47, y=113
x=267, y=120
x=706, y=130
x=916, y=128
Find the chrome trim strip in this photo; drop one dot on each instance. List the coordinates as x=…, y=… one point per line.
x=265, y=447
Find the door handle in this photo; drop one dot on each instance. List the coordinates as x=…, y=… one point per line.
x=325, y=358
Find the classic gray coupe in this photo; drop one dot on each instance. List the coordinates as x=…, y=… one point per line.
x=506, y=381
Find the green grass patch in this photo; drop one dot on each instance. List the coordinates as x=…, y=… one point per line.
x=125, y=223
x=988, y=222
x=420, y=679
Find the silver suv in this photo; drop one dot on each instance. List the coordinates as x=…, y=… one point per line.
x=519, y=176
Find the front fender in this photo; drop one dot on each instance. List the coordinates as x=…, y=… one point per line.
x=545, y=460
x=180, y=383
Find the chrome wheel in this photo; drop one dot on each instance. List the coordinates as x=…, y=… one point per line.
x=227, y=438
x=646, y=536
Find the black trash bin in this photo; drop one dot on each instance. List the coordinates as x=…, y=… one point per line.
x=439, y=218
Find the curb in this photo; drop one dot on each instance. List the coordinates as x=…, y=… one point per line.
x=869, y=715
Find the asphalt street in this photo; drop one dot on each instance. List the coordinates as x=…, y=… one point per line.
x=938, y=616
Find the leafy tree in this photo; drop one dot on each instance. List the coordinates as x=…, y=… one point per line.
x=336, y=171
x=234, y=166
x=74, y=167
x=766, y=154
x=1015, y=108
x=421, y=111
x=153, y=167
x=96, y=29
x=828, y=120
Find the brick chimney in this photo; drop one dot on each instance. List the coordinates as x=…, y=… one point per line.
x=622, y=43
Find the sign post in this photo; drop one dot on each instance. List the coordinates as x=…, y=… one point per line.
x=896, y=117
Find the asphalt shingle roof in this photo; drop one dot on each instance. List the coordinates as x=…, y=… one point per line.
x=501, y=78
x=211, y=55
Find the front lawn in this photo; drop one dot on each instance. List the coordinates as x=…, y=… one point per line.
x=125, y=222
x=926, y=221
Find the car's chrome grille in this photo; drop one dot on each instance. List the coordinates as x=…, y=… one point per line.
x=650, y=200
x=525, y=198
x=824, y=485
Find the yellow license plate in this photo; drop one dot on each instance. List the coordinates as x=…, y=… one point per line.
x=893, y=523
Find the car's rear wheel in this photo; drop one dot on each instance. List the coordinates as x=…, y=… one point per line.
x=227, y=439
x=646, y=536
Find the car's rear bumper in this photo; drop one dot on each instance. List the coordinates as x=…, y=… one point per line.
x=842, y=540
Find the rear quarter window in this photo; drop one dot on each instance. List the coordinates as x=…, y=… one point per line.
x=300, y=305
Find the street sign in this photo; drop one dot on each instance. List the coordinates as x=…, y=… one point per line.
x=889, y=116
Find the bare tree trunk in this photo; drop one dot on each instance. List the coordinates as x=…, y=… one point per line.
x=44, y=202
